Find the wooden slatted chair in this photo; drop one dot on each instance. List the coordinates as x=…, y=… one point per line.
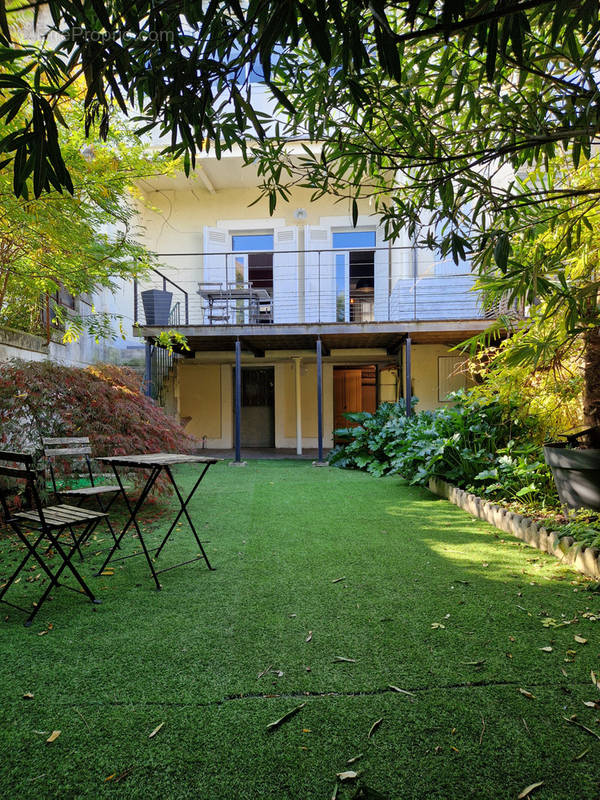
x=78, y=447
x=41, y=530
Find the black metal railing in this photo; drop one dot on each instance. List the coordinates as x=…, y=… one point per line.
x=161, y=368
x=173, y=314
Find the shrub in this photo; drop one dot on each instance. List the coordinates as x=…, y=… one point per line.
x=103, y=402
x=475, y=443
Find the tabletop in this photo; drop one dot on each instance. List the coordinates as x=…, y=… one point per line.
x=158, y=459
x=234, y=294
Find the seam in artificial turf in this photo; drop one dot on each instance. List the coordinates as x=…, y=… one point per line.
x=299, y=695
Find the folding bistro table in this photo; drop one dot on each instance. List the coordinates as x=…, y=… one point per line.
x=156, y=463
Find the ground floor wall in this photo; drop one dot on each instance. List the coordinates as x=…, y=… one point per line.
x=203, y=392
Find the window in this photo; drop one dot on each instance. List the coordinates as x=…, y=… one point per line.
x=344, y=240
x=246, y=242
x=355, y=275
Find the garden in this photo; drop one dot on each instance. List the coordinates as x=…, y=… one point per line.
x=359, y=638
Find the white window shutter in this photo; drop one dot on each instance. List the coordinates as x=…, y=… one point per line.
x=216, y=241
x=285, y=275
x=319, y=275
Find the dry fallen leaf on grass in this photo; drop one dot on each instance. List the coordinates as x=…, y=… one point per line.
x=347, y=776
x=156, y=730
x=595, y=679
x=527, y=694
x=28, y=696
x=53, y=737
x=437, y=625
x=529, y=789
x=546, y=649
x=354, y=759
x=401, y=691
x=343, y=658
x=580, y=639
x=274, y=725
x=337, y=580
x=309, y=637
x=573, y=721
x=374, y=727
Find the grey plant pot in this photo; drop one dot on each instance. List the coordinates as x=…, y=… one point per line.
x=576, y=475
x=157, y=306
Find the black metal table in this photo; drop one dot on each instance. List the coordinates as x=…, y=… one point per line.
x=156, y=463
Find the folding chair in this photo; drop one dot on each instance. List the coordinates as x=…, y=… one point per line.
x=78, y=447
x=218, y=302
x=40, y=529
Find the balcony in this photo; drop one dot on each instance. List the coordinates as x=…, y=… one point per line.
x=226, y=290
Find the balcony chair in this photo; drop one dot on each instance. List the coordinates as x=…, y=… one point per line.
x=73, y=449
x=41, y=529
x=218, y=308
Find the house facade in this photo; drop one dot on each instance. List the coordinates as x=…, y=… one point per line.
x=326, y=317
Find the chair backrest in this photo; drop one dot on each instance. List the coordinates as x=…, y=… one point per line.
x=24, y=471
x=67, y=446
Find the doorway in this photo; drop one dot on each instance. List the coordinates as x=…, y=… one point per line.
x=354, y=390
x=258, y=407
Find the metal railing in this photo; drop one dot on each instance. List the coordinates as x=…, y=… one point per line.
x=378, y=284
x=149, y=283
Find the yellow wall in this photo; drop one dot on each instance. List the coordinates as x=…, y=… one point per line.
x=425, y=374
x=388, y=386
x=205, y=393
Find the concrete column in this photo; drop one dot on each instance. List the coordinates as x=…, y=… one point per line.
x=297, y=361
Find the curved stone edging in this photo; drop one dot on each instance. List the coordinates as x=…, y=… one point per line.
x=584, y=559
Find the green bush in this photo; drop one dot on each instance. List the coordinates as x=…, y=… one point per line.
x=474, y=443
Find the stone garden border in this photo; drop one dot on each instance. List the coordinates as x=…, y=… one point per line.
x=584, y=559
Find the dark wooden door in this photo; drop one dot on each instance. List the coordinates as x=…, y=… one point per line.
x=258, y=407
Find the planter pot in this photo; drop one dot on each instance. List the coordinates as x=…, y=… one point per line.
x=576, y=475
x=157, y=306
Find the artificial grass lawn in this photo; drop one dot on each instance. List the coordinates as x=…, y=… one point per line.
x=280, y=533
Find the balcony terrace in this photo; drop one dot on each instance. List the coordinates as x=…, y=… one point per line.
x=287, y=299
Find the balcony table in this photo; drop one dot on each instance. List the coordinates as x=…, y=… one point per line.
x=156, y=463
x=254, y=296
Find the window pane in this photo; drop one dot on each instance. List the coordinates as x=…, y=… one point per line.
x=347, y=239
x=246, y=242
x=340, y=288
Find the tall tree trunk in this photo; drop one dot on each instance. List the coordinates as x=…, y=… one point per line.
x=591, y=377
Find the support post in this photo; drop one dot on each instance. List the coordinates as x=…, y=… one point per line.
x=297, y=361
x=408, y=389
x=238, y=400
x=320, y=462
x=148, y=370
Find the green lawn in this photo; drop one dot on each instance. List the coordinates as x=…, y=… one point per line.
x=281, y=533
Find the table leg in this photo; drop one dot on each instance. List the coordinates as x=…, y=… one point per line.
x=132, y=520
x=183, y=510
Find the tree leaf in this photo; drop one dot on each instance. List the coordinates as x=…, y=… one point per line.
x=343, y=658
x=527, y=694
x=374, y=727
x=53, y=737
x=349, y=775
x=401, y=691
x=156, y=730
x=272, y=726
x=529, y=789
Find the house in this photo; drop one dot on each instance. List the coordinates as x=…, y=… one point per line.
x=323, y=317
